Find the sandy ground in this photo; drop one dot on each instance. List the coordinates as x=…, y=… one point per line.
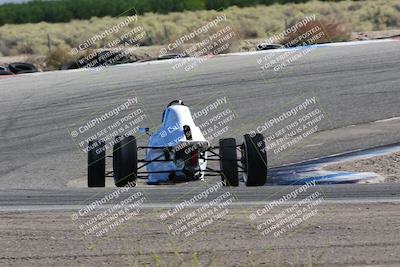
x=338, y=235
x=387, y=166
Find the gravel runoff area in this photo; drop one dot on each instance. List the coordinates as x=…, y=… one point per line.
x=387, y=166
x=338, y=234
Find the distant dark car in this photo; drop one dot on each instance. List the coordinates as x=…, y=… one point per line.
x=268, y=46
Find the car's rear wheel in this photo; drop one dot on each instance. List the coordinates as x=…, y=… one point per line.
x=125, y=161
x=255, y=159
x=96, y=164
x=228, y=162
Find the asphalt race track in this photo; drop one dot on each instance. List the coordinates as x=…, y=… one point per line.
x=355, y=84
x=47, y=200
x=49, y=217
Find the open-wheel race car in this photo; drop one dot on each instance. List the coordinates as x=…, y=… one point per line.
x=178, y=152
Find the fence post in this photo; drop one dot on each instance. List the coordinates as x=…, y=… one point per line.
x=166, y=39
x=49, y=41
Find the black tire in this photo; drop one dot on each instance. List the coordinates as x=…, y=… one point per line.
x=125, y=161
x=20, y=68
x=228, y=162
x=255, y=158
x=70, y=66
x=96, y=164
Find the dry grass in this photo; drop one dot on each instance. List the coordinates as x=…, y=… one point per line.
x=330, y=32
x=56, y=57
x=253, y=22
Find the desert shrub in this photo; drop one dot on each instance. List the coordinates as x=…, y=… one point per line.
x=67, y=10
x=329, y=31
x=57, y=57
x=381, y=17
x=219, y=4
x=250, y=22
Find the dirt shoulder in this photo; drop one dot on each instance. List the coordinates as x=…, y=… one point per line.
x=387, y=166
x=338, y=235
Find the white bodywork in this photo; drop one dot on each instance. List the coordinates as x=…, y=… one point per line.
x=171, y=134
